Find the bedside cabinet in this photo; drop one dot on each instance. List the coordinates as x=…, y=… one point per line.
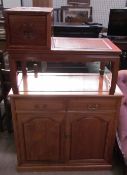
x=28, y=28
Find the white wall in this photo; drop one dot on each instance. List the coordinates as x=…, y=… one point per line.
x=58, y=3
x=11, y=3
x=27, y=3
x=101, y=8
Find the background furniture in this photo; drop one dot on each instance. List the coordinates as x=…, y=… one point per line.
x=5, y=85
x=2, y=29
x=76, y=30
x=42, y=3
x=101, y=8
x=76, y=14
x=1, y=8
x=5, y=112
x=117, y=32
x=78, y=2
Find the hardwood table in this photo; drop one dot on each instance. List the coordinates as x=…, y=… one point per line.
x=69, y=50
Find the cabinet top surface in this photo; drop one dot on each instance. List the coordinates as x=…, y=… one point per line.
x=30, y=9
x=65, y=84
x=84, y=44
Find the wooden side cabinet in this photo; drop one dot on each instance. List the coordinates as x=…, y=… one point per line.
x=42, y=3
x=56, y=133
x=28, y=28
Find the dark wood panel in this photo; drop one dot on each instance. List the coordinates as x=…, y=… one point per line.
x=42, y=3
x=28, y=30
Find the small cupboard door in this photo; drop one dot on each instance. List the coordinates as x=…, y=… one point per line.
x=41, y=136
x=88, y=137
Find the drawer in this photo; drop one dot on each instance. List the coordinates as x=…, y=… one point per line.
x=39, y=104
x=88, y=104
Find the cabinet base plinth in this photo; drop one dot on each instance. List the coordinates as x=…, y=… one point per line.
x=31, y=168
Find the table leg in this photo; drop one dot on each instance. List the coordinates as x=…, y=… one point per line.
x=24, y=68
x=13, y=75
x=115, y=68
x=100, y=87
x=102, y=68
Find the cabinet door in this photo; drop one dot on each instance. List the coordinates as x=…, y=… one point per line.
x=90, y=137
x=41, y=136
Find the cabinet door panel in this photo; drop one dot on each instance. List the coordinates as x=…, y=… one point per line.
x=41, y=136
x=88, y=136
x=28, y=30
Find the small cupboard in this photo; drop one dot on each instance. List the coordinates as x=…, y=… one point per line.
x=64, y=130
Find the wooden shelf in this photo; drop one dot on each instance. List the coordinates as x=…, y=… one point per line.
x=65, y=84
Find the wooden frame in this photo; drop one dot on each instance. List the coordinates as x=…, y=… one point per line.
x=76, y=14
x=78, y=2
x=42, y=3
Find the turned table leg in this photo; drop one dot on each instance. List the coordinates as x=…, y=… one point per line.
x=13, y=75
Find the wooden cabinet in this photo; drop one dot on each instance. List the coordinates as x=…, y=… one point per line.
x=42, y=3
x=61, y=131
x=28, y=29
x=78, y=2
x=61, y=121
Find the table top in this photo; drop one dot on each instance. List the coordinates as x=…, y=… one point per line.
x=30, y=9
x=70, y=50
x=84, y=45
x=73, y=46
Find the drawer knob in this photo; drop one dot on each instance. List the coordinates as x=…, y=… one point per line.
x=93, y=107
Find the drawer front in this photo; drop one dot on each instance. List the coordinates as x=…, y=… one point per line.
x=28, y=30
x=88, y=104
x=39, y=104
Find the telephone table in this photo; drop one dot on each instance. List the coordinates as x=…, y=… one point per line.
x=69, y=50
